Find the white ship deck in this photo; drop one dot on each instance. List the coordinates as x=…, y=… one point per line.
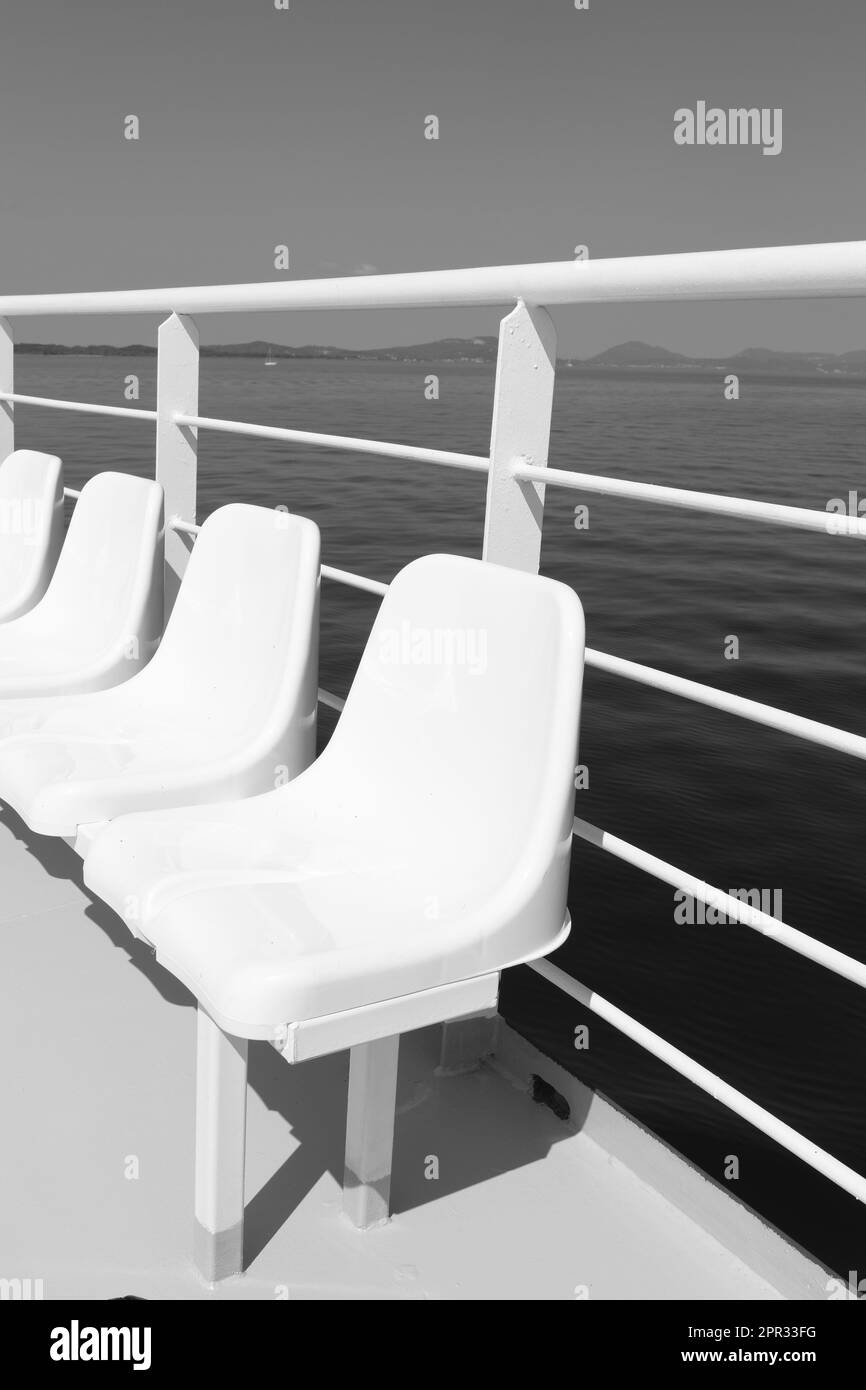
x=98, y=1049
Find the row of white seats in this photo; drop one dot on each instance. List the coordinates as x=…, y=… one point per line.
x=31, y=528
x=320, y=903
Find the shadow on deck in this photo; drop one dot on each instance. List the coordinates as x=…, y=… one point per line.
x=493, y=1196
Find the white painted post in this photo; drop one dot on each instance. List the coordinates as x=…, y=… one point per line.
x=176, y=445
x=7, y=383
x=522, y=408
x=220, y=1143
x=370, y=1131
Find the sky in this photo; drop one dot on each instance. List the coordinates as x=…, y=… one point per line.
x=306, y=127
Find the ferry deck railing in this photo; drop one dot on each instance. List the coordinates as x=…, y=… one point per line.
x=517, y=477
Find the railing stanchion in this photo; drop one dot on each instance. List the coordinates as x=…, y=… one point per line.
x=176, y=445
x=522, y=408
x=7, y=383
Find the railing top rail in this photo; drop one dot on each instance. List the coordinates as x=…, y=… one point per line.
x=822, y=270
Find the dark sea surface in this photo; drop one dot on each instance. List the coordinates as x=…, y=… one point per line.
x=733, y=803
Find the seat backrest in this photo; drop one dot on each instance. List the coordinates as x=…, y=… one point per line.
x=31, y=528
x=464, y=712
x=242, y=639
x=107, y=587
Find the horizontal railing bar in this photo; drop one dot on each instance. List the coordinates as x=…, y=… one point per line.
x=742, y=912
x=810, y=729
x=447, y=459
x=354, y=581
x=839, y=1173
x=72, y=493
x=332, y=701
x=801, y=518
x=826, y=269
x=82, y=407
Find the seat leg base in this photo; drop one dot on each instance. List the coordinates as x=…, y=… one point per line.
x=218, y=1254
x=220, y=1142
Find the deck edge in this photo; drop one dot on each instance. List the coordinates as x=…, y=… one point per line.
x=792, y=1271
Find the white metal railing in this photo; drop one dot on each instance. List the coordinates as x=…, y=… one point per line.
x=801, y=518
x=517, y=476
x=743, y=912
x=782, y=720
x=819, y=271
x=338, y=441
x=354, y=581
x=78, y=407
x=839, y=1173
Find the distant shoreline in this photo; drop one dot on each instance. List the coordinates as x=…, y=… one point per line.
x=631, y=359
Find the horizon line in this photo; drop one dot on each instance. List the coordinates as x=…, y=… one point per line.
x=253, y=346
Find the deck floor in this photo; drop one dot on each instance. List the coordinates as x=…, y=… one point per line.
x=96, y=1084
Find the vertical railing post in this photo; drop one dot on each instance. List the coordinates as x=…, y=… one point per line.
x=522, y=408
x=176, y=445
x=7, y=383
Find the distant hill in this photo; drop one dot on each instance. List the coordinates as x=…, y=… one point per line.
x=768, y=361
x=90, y=350
x=635, y=355
x=444, y=350
x=631, y=356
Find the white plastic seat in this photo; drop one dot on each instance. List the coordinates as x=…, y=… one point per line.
x=31, y=528
x=100, y=619
x=225, y=708
x=386, y=887
x=428, y=844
